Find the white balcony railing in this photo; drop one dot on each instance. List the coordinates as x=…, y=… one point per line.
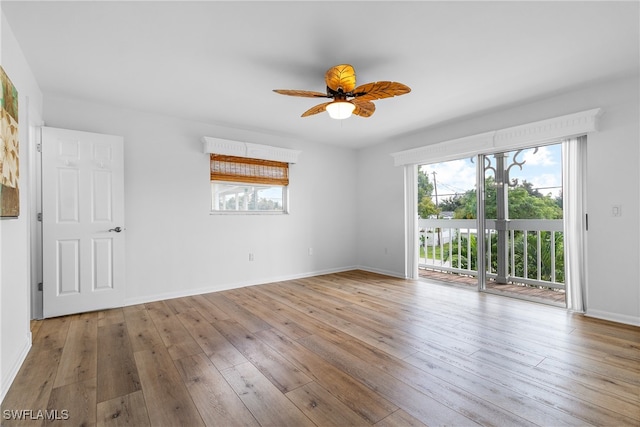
x=535, y=254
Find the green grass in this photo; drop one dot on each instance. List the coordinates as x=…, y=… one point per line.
x=429, y=250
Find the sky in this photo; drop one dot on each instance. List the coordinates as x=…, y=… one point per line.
x=543, y=169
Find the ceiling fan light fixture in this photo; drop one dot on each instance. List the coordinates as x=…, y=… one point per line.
x=340, y=110
x=341, y=84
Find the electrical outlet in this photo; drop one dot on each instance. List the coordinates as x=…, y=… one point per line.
x=251, y=258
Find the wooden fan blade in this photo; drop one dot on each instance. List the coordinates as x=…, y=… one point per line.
x=304, y=93
x=341, y=77
x=363, y=108
x=315, y=110
x=380, y=90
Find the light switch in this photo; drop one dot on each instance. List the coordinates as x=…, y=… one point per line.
x=616, y=210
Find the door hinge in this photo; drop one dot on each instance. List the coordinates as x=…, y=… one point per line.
x=39, y=147
x=40, y=216
x=40, y=286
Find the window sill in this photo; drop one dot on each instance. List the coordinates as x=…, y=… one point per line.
x=223, y=213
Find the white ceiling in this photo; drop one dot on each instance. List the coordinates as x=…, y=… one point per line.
x=217, y=62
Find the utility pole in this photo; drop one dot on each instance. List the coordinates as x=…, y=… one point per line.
x=435, y=190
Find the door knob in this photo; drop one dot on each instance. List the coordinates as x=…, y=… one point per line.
x=117, y=229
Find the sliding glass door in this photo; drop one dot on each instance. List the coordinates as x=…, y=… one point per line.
x=520, y=211
x=495, y=222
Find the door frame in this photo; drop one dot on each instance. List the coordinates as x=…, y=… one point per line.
x=36, y=225
x=481, y=223
x=35, y=208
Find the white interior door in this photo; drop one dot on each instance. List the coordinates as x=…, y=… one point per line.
x=82, y=221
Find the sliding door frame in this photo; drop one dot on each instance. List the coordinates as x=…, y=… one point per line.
x=481, y=223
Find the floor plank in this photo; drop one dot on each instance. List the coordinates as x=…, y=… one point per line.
x=110, y=317
x=255, y=303
x=79, y=359
x=218, y=349
x=74, y=404
x=299, y=317
x=52, y=334
x=359, y=398
x=323, y=408
x=215, y=399
x=143, y=334
x=266, y=403
x=178, y=341
x=239, y=314
x=128, y=410
x=207, y=309
x=168, y=401
x=117, y=370
x=282, y=373
x=400, y=419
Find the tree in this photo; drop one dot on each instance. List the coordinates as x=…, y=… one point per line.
x=426, y=207
x=525, y=202
x=529, y=187
x=523, y=205
x=559, y=201
x=451, y=204
x=468, y=206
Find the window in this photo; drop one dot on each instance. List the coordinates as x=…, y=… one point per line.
x=240, y=184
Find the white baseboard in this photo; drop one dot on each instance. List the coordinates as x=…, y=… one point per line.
x=614, y=317
x=381, y=271
x=15, y=366
x=228, y=286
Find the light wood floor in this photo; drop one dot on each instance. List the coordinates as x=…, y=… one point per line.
x=351, y=348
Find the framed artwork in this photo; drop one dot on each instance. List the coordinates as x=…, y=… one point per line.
x=9, y=149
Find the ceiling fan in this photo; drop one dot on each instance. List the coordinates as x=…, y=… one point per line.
x=347, y=98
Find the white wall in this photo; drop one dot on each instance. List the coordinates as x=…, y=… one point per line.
x=613, y=288
x=175, y=247
x=15, y=313
x=381, y=229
